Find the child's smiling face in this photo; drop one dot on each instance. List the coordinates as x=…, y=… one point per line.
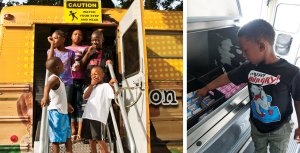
x=97, y=40
x=97, y=74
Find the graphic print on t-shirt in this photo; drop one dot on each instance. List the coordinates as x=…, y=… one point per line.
x=261, y=102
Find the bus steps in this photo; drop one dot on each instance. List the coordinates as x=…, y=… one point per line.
x=78, y=147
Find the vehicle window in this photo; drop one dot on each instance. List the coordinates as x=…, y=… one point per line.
x=131, y=51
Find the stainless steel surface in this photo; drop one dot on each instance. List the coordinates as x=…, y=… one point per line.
x=235, y=120
x=248, y=147
x=214, y=10
x=213, y=118
x=205, y=25
x=209, y=19
x=232, y=132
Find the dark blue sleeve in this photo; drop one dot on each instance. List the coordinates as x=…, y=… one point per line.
x=240, y=74
x=296, y=87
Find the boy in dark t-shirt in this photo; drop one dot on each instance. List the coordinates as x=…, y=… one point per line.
x=272, y=83
x=96, y=55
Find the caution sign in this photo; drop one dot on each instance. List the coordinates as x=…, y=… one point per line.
x=82, y=11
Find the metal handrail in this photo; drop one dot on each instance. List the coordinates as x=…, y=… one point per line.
x=123, y=112
x=111, y=146
x=127, y=88
x=44, y=137
x=119, y=142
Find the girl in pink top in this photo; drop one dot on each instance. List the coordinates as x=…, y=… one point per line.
x=78, y=77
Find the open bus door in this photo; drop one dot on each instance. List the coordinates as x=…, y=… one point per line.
x=135, y=74
x=285, y=18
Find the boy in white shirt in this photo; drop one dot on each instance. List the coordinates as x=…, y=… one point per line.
x=59, y=126
x=99, y=96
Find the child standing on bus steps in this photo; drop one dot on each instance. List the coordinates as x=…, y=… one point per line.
x=272, y=84
x=96, y=55
x=78, y=80
x=67, y=57
x=59, y=126
x=99, y=96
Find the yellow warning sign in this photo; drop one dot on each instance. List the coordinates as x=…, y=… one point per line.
x=88, y=11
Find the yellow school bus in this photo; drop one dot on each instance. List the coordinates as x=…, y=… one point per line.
x=154, y=68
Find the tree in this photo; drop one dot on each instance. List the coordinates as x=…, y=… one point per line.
x=1, y=4
x=105, y=3
x=45, y=2
x=156, y=4
x=12, y=3
x=151, y=4
x=125, y=3
x=179, y=7
x=172, y=5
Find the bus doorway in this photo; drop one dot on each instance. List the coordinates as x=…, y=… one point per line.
x=41, y=45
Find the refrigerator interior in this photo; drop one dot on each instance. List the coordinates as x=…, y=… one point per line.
x=210, y=54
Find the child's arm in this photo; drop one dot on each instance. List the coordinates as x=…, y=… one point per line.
x=297, y=130
x=112, y=81
x=53, y=83
x=87, y=54
x=90, y=88
x=51, y=50
x=88, y=92
x=218, y=82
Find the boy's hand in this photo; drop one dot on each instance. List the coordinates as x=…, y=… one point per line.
x=112, y=81
x=297, y=135
x=94, y=81
x=50, y=40
x=44, y=102
x=90, y=49
x=108, y=62
x=202, y=92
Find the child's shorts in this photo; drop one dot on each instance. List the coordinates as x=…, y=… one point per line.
x=59, y=126
x=92, y=129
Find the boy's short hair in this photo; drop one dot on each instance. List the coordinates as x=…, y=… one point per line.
x=96, y=66
x=51, y=63
x=60, y=33
x=98, y=32
x=257, y=29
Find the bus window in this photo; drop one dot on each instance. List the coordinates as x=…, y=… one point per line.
x=131, y=51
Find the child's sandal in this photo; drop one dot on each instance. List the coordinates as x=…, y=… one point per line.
x=73, y=137
x=78, y=137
